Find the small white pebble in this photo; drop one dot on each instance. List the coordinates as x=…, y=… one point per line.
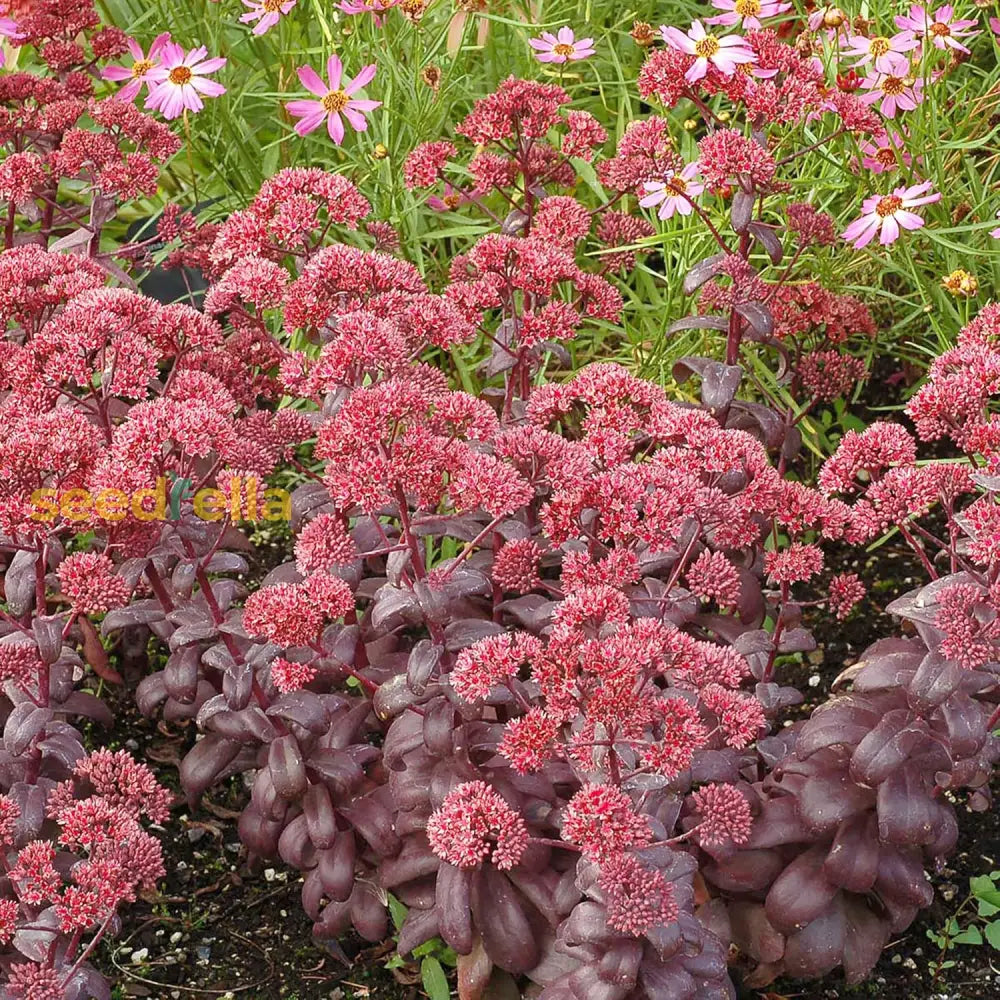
x=269, y=874
x=814, y=680
x=140, y=956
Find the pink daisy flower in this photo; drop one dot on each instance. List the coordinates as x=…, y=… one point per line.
x=938, y=26
x=267, y=13
x=674, y=193
x=746, y=12
x=884, y=152
x=561, y=47
x=373, y=7
x=726, y=54
x=334, y=100
x=897, y=89
x=885, y=214
x=453, y=198
x=138, y=73
x=880, y=50
x=181, y=80
x=995, y=233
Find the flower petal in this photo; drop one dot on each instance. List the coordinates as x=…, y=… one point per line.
x=334, y=71
x=335, y=127
x=310, y=79
x=364, y=77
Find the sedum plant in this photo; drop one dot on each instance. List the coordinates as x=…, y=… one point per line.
x=521, y=669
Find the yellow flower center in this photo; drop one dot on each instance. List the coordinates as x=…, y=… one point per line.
x=141, y=68
x=886, y=156
x=961, y=282
x=707, y=47
x=180, y=75
x=677, y=184
x=562, y=49
x=336, y=100
x=748, y=8
x=878, y=46
x=452, y=200
x=940, y=29
x=888, y=205
x=272, y=6
x=893, y=85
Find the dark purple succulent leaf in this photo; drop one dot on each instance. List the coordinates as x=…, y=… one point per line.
x=151, y=692
x=464, y=632
x=697, y=322
x=906, y=811
x=887, y=746
x=226, y=562
x=796, y=640
x=19, y=582
x=86, y=983
x=25, y=723
x=287, y=767
x=393, y=697
x=935, y=680
x=759, y=420
x=138, y=613
x=303, y=708
x=336, y=867
x=901, y=878
x=776, y=697
x=181, y=673
x=294, y=846
x=237, y=685
x=500, y=919
x=767, y=237
x=394, y=606
x=421, y=664
x=843, y=722
x=204, y=763
x=89, y=706
x=35, y=941
x=759, y=317
x=531, y=612
x=800, y=893
x=30, y=799
x=818, y=947
x=320, y=816
x=719, y=382
x=199, y=632
x=963, y=722
x=464, y=527
x=66, y=749
x=373, y=822
x=828, y=797
x=745, y=872
x=741, y=210
x=852, y=862
x=419, y=927
x=368, y=913
x=439, y=727
x=453, y=903
x=48, y=637
x=703, y=271
x=867, y=935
